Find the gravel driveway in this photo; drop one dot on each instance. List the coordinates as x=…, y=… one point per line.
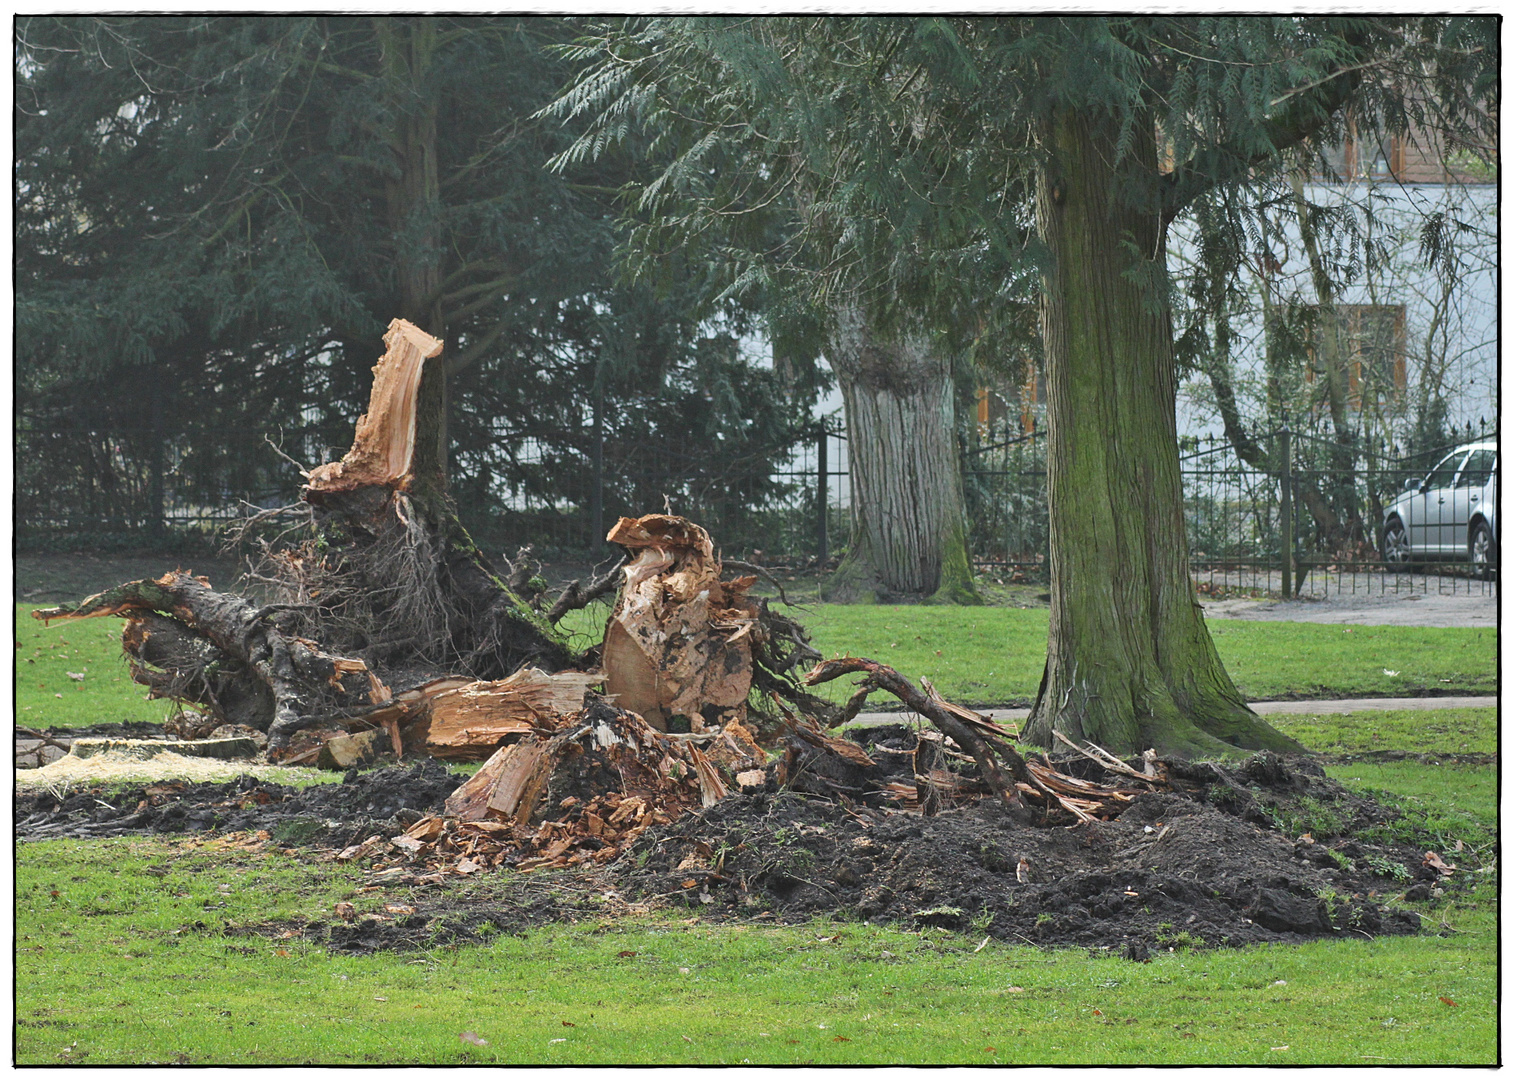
x=1377, y=600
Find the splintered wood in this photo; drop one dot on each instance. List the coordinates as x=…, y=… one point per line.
x=576, y=794
x=474, y=717
x=461, y=719
x=384, y=443
x=580, y=789
x=679, y=643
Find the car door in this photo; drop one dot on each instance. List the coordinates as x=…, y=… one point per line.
x=1428, y=511
x=1465, y=497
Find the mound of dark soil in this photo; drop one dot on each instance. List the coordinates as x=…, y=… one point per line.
x=1170, y=871
x=323, y=815
x=1220, y=865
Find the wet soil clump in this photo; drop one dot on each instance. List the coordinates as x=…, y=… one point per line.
x=319, y=816
x=1267, y=851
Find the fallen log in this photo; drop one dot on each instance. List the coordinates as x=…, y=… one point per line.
x=389, y=589
x=230, y=657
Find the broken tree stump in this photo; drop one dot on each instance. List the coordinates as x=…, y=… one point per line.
x=383, y=447
x=678, y=647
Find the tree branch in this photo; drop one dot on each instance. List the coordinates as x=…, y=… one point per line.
x=1307, y=110
x=954, y=722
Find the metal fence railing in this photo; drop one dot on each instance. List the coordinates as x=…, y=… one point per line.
x=1302, y=516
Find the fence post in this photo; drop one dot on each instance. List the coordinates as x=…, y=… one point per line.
x=1285, y=512
x=822, y=501
x=157, y=503
x=597, y=491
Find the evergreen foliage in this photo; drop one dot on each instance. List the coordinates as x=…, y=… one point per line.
x=215, y=224
x=954, y=166
x=894, y=157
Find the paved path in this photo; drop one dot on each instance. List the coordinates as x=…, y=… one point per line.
x=1311, y=708
x=28, y=756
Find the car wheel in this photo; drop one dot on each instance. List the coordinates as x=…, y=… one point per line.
x=1483, y=550
x=1396, y=544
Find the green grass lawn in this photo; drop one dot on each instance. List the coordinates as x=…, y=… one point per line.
x=976, y=656
x=994, y=656
x=1426, y=731
x=46, y=697
x=122, y=959
x=123, y=954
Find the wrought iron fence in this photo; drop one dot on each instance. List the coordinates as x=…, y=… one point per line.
x=1301, y=517
x=133, y=489
x=1004, y=486
x=747, y=506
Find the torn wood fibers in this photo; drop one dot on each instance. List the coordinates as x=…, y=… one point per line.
x=384, y=444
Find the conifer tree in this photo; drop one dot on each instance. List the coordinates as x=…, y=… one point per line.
x=1057, y=149
x=220, y=215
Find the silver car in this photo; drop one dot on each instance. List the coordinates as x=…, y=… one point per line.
x=1450, y=514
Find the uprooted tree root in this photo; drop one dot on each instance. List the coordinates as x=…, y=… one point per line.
x=386, y=601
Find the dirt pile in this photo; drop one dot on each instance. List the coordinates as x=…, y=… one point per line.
x=315, y=817
x=1221, y=864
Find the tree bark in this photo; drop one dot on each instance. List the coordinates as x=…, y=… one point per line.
x=1130, y=664
x=412, y=196
x=909, y=536
x=220, y=650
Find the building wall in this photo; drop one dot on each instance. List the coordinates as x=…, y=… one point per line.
x=1449, y=330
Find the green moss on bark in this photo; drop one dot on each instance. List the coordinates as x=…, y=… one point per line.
x=957, y=584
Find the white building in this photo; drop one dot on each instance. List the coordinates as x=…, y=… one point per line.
x=1409, y=331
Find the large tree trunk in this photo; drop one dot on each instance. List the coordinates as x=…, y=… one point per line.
x=1130, y=664
x=909, y=536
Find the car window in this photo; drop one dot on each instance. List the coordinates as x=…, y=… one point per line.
x=1478, y=468
x=1444, y=473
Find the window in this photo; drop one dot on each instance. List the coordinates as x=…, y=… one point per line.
x=1442, y=475
x=1478, y=468
x=1032, y=400
x=1363, y=153
x=1374, y=338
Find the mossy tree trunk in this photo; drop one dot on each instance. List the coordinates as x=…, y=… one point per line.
x=1130, y=663
x=909, y=537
